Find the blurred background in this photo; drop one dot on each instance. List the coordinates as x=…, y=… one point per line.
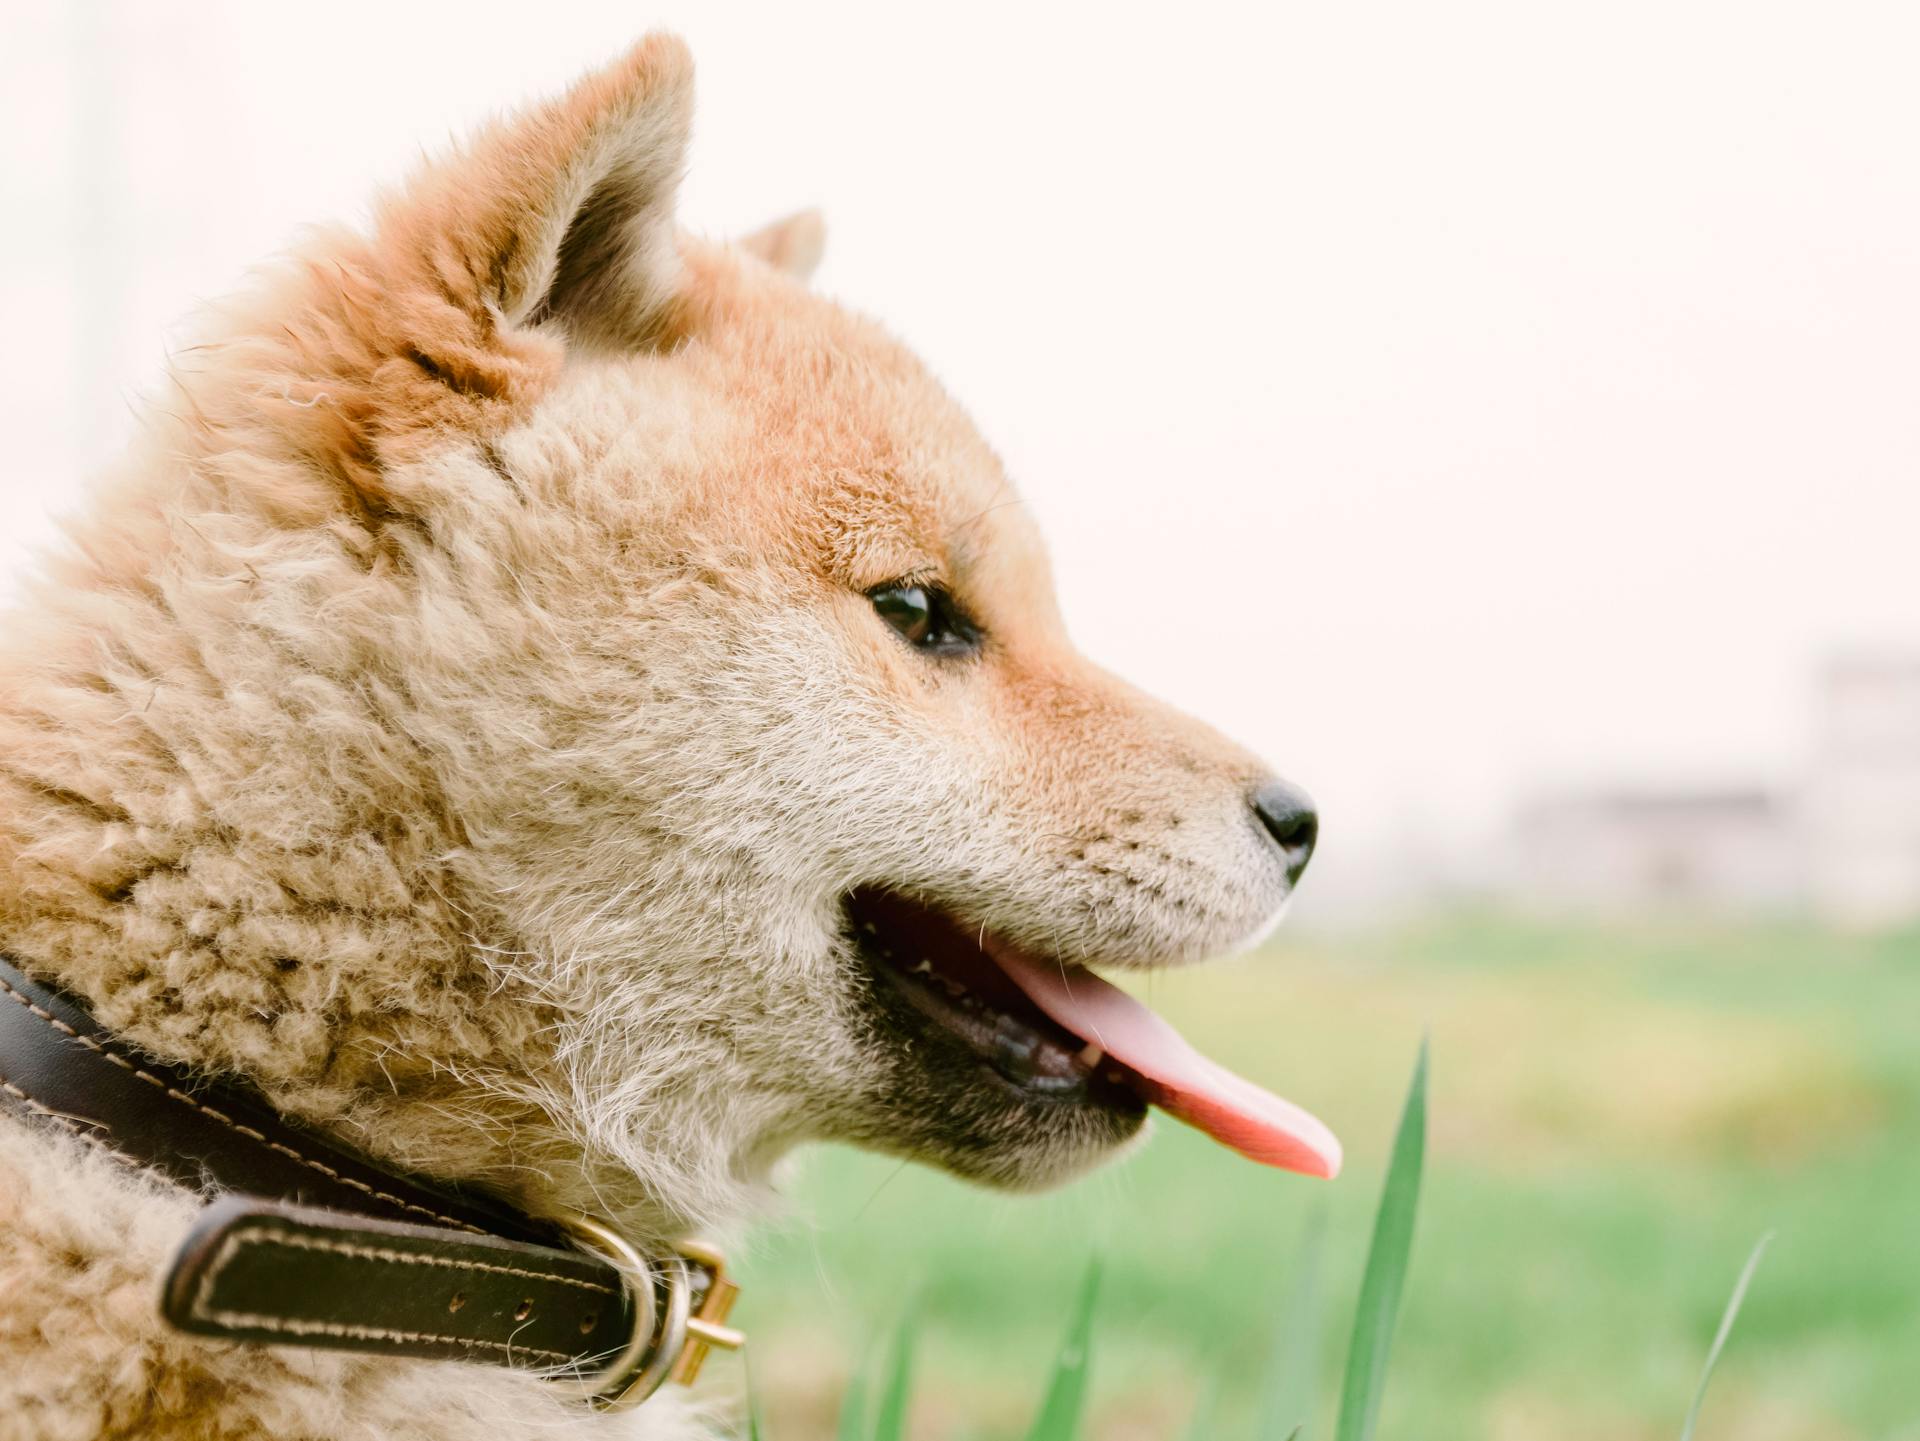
x=1501, y=415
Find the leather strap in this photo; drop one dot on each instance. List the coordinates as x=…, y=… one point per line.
x=255, y=1271
x=318, y=1245
x=55, y=1058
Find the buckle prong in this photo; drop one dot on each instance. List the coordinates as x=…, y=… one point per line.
x=706, y=1328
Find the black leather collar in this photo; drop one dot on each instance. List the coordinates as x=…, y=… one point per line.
x=309, y=1243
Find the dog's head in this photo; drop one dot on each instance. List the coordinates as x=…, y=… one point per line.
x=779, y=790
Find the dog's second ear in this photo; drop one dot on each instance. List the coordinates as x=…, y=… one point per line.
x=564, y=213
x=794, y=243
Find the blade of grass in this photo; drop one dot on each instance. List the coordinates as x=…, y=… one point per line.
x=753, y=1406
x=1386, y=1272
x=890, y=1420
x=1294, y=1365
x=1059, y=1418
x=1201, y=1427
x=1727, y=1317
x=853, y=1408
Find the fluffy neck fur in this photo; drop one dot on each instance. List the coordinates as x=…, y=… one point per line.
x=263, y=808
x=244, y=839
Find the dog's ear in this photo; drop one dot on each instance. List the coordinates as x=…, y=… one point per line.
x=564, y=213
x=551, y=229
x=794, y=243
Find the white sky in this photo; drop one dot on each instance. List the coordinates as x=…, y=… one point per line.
x=1448, y=399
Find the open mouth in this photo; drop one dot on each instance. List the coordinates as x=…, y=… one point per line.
x=1056, y=1032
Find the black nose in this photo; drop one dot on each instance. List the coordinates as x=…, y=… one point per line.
x=1287, y=813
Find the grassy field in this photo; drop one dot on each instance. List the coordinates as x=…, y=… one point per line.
x=1616, y=1117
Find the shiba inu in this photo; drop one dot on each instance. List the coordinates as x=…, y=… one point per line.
x=560, y=707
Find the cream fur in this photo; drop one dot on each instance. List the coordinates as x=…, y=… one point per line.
x=461, y=717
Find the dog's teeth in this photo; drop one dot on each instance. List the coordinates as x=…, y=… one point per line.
x=1016, y=1051
x=1091, y=1055
x=924, y=968
x=869, y=928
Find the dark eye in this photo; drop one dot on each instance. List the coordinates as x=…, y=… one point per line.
x=926, y=617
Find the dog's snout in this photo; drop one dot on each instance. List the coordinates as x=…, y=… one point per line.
x=1288, y=815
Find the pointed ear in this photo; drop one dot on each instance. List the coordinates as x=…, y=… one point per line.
x=564, y=213
x=552, y=229
x=793, y=244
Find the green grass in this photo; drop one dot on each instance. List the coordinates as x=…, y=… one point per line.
x=1614, y=1119
x=1732, y=1314
x=1060, y=1413
x=1377, y=1313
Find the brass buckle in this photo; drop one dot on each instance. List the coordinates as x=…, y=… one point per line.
x=666, y=1341
x=706, y=1328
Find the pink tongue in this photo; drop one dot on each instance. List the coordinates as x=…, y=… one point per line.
x=1175, y=1077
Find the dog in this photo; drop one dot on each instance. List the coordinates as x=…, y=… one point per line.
x=560, y=707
